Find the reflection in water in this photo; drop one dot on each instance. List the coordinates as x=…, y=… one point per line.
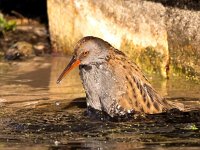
x=71, y=86
x=36, y=113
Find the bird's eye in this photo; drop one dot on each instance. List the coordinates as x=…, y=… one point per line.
x=85, y=53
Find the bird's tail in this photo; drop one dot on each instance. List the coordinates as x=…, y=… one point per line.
x=183, y=107
x=177, y=105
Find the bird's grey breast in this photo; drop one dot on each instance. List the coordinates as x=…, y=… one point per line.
x=101, y=86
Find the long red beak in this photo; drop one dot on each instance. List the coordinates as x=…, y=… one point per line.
x=72, y=64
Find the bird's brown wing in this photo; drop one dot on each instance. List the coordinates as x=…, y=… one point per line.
x=139, y=95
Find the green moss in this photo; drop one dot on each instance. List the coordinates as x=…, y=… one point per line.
x=191, y=126
x=148, y=59
x=151, y=60
x=6, y=25
x=183, y=62
x=184, y=53
x=185, y=71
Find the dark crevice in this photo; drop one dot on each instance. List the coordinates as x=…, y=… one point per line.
x=34, y=9
x=181, y=4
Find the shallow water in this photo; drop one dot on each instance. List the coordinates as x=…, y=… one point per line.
x=36, y=113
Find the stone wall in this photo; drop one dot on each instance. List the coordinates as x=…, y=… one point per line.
x=183, y=27
x=149, y=32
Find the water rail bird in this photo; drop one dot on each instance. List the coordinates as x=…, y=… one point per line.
x=112, y=82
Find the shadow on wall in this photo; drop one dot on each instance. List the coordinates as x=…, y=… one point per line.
x=36, y=9
x=182, y=4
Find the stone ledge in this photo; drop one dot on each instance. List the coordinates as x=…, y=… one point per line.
x=151, y=33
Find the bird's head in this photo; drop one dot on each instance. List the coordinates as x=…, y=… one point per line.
x=89, y=50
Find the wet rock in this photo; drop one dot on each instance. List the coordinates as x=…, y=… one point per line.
x=19, y=50
x=184, y=37
x=39, y=48
x=154, y=33
x=1, y=54
x=40, y=31
x=26, y=41
x=128, y=29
